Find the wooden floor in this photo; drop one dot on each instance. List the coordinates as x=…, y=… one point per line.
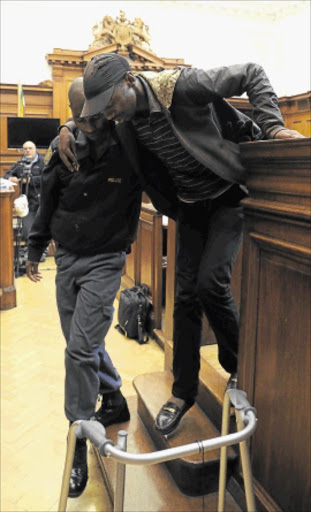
x=33, y=425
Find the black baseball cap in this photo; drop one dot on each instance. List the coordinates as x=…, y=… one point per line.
x=101, y=74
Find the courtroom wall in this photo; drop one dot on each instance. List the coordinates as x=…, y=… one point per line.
x=275, y=34
x=39, y=104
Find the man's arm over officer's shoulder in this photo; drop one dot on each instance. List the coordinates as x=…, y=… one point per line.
x=67, y=146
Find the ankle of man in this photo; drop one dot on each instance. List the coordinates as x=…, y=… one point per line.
x=115, y=397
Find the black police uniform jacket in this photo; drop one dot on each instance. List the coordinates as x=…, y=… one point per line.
x=91, y=211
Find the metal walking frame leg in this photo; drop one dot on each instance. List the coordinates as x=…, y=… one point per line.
x=223, y=452
x=71, y=445
x=246, y=466
x=120, y=474
x=239, y=401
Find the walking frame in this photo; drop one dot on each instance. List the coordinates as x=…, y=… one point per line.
x=95, y=432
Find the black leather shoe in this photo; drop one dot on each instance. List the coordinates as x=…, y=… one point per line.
x=170, y=415
x=79, y=472
x=111, y=412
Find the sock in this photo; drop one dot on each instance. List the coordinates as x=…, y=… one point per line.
x=115, y=397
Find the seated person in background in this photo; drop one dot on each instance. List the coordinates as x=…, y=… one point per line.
x=92, y=215
x=27, y=172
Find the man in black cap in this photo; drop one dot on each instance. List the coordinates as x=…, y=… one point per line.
x=187, y=137
x=93, y=216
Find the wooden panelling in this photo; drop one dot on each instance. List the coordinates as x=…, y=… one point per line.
x=144, y=265
x=7, y=286
x=38, y=103
x=295, y=110
x=38, y=100
x=62, y=79
x=150, y=243
x=129, y=277
x=283, y=289
x=274, y=357
x=297, y=113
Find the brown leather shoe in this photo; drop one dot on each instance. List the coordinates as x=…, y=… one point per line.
x=170, y=415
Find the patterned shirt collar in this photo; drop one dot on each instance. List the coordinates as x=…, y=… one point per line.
x=153, y=103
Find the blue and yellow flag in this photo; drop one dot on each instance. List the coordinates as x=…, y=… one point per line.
x=20, y=100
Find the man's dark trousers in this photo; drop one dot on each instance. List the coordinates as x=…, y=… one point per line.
x=209, y=236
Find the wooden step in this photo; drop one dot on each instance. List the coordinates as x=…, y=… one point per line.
x=194, y=475
x=151, y=488
x=211, y=387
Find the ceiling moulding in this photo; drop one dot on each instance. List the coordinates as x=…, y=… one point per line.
x=140, y=60
x=263, y=10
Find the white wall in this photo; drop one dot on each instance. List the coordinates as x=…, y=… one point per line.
x=207, y=34
x=290, y=52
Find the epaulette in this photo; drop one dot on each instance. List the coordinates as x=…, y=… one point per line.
x=51, y=150
x=48, y=156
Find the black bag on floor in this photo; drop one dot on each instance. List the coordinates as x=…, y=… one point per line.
x=133, y=313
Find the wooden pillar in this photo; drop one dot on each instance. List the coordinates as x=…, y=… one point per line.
x=149, y=252
x=7, y=287
x=274, y=356
x=144, y=265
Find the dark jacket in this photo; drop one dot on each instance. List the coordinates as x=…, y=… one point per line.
x=205, y=123
x=36, y=169
x=201, y=117
x=92, y=211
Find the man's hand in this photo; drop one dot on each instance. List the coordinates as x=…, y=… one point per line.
x=32, y=271
x=67, y=149
x=14, y=179
x=289, y=134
